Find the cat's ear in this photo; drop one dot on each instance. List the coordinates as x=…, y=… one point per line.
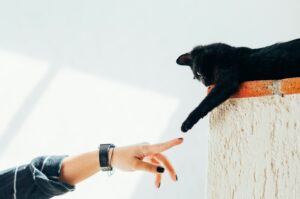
x=185, y=59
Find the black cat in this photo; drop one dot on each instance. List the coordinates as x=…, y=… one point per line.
x=227, y=67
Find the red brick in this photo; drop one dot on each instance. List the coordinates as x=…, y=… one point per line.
x=290, y=86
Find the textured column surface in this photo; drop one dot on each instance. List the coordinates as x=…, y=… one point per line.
x=254, y=149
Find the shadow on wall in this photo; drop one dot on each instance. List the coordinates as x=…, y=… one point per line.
x=126, y=49
x=25, y=109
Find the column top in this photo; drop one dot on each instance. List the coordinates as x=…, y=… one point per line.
x=267, y=87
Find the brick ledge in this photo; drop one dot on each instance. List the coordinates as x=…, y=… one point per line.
x=267, y=87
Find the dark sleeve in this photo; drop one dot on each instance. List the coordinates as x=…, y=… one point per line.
x=37, y=180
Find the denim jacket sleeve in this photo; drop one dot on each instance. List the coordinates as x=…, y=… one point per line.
x=37, y=180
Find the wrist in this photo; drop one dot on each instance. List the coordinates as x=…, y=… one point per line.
x=111, y=155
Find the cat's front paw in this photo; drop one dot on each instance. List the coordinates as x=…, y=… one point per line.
x=186, y=125
x=192, y=119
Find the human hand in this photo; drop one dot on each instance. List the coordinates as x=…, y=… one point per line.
x=145, y=157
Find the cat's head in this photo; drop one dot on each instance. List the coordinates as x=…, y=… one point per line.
x=201, y=62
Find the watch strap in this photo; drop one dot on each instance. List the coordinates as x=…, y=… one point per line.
x=104, y=156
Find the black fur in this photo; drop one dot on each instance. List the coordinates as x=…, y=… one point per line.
x=227, y=67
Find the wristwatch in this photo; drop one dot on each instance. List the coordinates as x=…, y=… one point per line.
x=104, y=156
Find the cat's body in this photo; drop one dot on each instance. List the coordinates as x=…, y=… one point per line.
x=227, y=67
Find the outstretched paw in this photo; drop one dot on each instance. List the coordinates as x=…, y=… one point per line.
x=193, y=118
x=187, y=125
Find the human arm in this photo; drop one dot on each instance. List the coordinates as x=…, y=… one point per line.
x=48, y=176
x=143, y=157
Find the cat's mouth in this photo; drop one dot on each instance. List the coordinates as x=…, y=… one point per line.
x=205, y=82
x=199, y=77
x=202, y=79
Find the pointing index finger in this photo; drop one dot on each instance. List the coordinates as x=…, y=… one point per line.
x=158, y=148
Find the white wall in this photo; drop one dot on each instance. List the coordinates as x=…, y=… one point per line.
x=75, y=74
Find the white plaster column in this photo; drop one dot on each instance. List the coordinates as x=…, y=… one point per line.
x=254, y=148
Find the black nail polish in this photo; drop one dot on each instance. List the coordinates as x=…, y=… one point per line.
x=180, y=138
x=160, y=169
x=176, y=178
x=158, y=186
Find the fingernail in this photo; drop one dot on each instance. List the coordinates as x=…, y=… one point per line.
x=180, y=138
x=176, y=178
x=160, y=169
x=158, y=186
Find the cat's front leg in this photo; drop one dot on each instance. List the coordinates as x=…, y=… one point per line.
x=221, y=92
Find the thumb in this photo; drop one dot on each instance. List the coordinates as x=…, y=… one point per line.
x=148, y=167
